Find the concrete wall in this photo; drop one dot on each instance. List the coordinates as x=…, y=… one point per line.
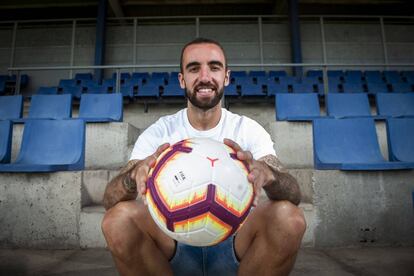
x=348, y=41
x=40, y=210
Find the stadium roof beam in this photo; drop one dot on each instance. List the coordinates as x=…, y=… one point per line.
x=116, y=8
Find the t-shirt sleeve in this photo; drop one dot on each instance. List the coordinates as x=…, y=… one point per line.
x=257, y=139
x=148, y=142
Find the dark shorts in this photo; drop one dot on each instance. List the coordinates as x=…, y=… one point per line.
x=217, y=260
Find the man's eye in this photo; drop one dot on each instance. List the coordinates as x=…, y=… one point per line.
x=215, y=68
x=193, y=69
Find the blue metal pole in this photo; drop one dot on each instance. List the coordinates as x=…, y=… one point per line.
x=294, y=25
x=100, y=39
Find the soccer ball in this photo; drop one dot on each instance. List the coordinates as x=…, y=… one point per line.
x=198, y=192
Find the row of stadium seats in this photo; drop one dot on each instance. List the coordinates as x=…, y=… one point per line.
x=303, y=107
x=47, y=145
x=92, y=107
x=352, y=144
x=242, y=84
x=8, y=83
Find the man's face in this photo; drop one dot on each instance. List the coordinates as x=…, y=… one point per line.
x=204, y=75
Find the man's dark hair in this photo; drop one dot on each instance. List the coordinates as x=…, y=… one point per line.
x=202, y=40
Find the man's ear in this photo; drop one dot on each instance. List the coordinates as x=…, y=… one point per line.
x=181, y=80
x=227, y=78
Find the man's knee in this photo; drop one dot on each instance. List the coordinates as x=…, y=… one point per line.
x=116, y=223
x=287, y=217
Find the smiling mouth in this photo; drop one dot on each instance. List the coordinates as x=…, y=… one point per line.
x=205, y=91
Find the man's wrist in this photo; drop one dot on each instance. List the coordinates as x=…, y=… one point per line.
x=129, y=184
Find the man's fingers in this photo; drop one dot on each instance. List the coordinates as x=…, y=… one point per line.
x=160, y=149
x=232, y=144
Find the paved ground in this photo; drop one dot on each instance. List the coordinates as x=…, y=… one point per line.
x=356, y=261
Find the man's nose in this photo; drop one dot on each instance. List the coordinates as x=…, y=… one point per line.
x=205, y=74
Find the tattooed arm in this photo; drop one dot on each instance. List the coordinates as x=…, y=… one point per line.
x=131, y=181
x=121, y=187
x=269, y=174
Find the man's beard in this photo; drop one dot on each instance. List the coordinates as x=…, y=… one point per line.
x=207, y=103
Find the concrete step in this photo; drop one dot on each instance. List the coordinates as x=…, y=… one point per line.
x=90, y=233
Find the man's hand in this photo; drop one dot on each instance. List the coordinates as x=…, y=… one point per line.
x=140, y=172
x=260, y=174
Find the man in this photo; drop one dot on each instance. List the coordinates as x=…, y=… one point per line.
x=268, y=242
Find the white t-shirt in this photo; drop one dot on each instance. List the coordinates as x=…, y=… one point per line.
x=173, y=128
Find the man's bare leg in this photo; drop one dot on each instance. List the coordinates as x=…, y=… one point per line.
x=268, y=242
x=137, y=245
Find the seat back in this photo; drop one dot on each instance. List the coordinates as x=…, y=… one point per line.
x=297, y=107
x=11, y=107
x=6, y=129
x=347, y=105
x=52, y=90
x=400, y=134
x=339, y=141
x=51, y=107
x=101, y=107
x=53, y=142
x=395, y=104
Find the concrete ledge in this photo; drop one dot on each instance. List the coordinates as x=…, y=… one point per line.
x=90, y=233
x=40, y=210
x=364, y=208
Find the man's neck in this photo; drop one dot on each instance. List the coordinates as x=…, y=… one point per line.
x=203, y=120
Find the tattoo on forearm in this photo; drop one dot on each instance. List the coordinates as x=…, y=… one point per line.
x=121, y=187
x=286, y=186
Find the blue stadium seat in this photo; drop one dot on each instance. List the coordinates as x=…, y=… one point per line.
x=334, y=84
x=149, y=90
x=352, y=87
x=392, y=76
x=123, y=75
x=2, y=87
x=231, y=90
x=101, y=107
x=110, y=85
x=11, y=107
x=96, y=89
x=311, y=80
x=238, y=74
x=261, y=80
x=276, y=88
x=408, y=76
x=349, y=144
x=6, y=129
x=248, y=89
x=160, y=75
x=289, y=80
x=400, y=135
x=258, y=73
x=47, y=90
x=353, y=76
x=376, y=87
x=50, y=107
x=173, y=76
x=395, y=104
x=297, y=107
x=67, y=82
x=401, y=87
x=302, y=88
x=373, y=76
x=277, y=74
x=173, y=89
x=50, y=145
x=315, y=73
x=127, y=91
x=335, y=73
x=347, y=105
x=140, y=75
x=75, y=91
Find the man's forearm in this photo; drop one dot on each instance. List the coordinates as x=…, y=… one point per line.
x=121, y=187
x=285, y=186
